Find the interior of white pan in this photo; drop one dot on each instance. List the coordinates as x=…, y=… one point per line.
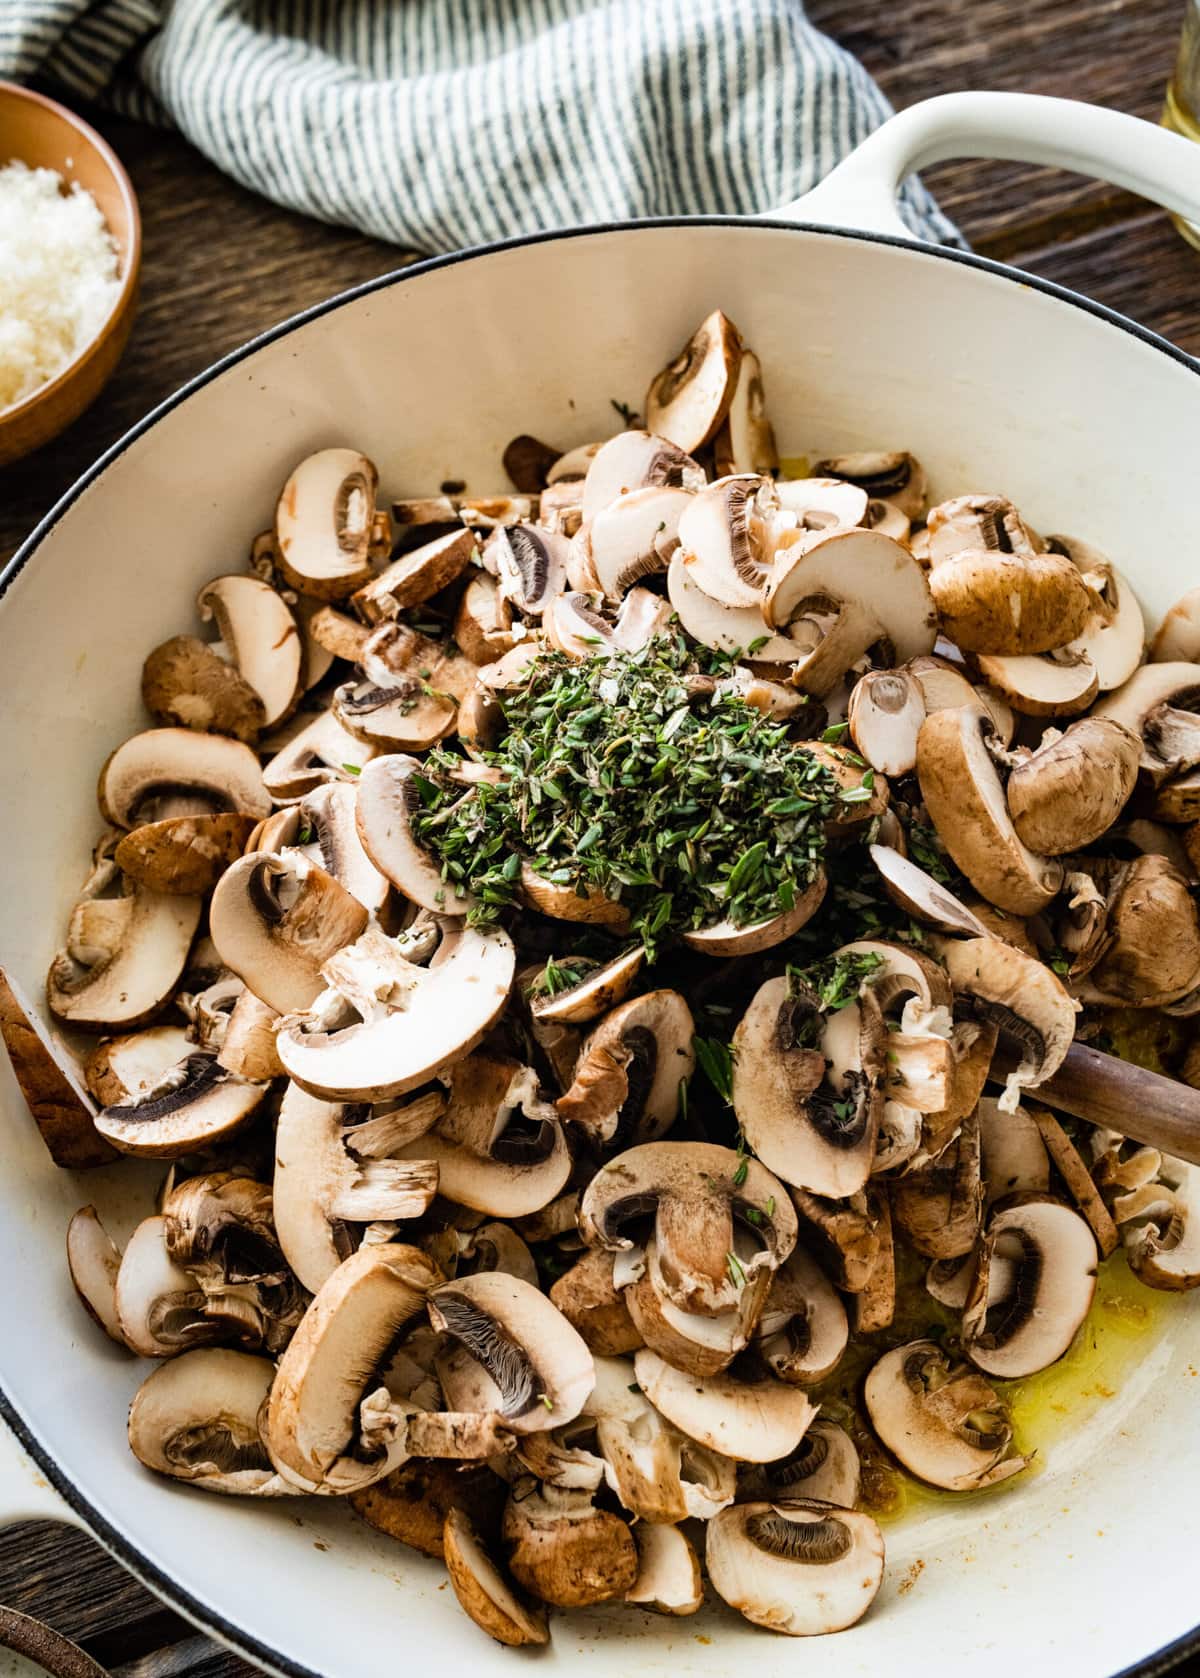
x=996, y=386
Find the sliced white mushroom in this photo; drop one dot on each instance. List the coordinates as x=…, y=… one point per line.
x=1023, y=997
x=752, y=1420
x=260, y=635
x=319, y=751
x=824, y=1465
x=221, y=771
x=823, y=504
x=630, y=1068
x=887, y=708
x=942, y=1421
x=636, y=460
x=635, y=535
x=1014, y=1156
x=415, y=576
x=746, y=440
x=94, y=1261
x=323, y=523
x=1050, y=1259
x=668, y=1575
x=689, y=399
x=195, y=1104
x=802, y=1332
x=1060, y=683
x=196, y=1419
x=894, y=476
x=921, y=896
x=727, y=536
x=1162, y=1241
x=159, y=1305
x=276, y=918
x=732, y=629
x=403, y=1023
x=802, y=1568
x=388, y=798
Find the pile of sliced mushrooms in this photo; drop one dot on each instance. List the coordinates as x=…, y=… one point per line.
x=477, y=1252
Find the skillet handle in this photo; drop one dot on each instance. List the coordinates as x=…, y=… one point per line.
x=1022, y=127
x=25, y=1492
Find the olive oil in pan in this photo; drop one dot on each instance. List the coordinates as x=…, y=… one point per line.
x=1124, y=1320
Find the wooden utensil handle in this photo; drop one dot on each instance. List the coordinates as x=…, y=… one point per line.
x=1140, y=1104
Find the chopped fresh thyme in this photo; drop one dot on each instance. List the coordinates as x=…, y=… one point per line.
x=305, y=836
x=352, y=768
x=928, y=852
x=737, y=1274
x=715, y=1060
x=835, y=980
x=619, y=777
x=628, y=414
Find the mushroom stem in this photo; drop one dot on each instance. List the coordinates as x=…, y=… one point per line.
x=1122, y=1097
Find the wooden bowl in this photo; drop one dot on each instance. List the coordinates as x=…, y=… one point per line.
x=36, y=131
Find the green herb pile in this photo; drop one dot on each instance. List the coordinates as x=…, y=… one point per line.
x=618, y=775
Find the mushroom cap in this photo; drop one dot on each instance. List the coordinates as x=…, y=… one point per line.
x=634, y=460
x=222, y=770
x=1150, y=955
x=94, y=1261
x=1068, y=793
x=183, y=855
x=564, y=1550
x=688, y=400
x=1047, y=1292
x=962, y=791
x=484, y=1592
x=411, y=1505
x=796, y=1566
x=1009, y=604
x=757, y=1420
x=693, y=1189
x=187, y=684
x=453, y=1003
x=591, y=1303
x=323, y=523
x=564, y=901
x=276, y=919
x=944, y=1423
x=1022, y=995
x=49, y=1080
x=196, y=1419
x=483, y=624
x=518, y=1356
x=261, y=637
x=668, y=1575
x=312, y=1420
x=387, y=801
x=787, y=1094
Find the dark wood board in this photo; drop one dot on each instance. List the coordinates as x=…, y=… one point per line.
x=221, y=266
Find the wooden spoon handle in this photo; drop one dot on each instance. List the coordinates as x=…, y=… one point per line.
x=1143, y=1105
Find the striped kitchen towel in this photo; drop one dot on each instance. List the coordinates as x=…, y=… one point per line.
x=439, y=124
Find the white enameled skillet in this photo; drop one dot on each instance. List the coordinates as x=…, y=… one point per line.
x=997, y=382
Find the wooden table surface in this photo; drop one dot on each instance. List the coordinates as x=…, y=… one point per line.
x=220, y=266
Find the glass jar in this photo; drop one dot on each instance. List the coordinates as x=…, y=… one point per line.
x=1182, y=108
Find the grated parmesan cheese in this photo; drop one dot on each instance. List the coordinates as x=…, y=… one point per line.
x=58, y=277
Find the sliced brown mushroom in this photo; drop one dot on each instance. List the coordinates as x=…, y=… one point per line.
x=690, y=1341
x=159, y=1305
x=824, y=1465
x=412, y=1503
x=1078, y=1178
x=564, y=1550
x=823, y=504
x=694, y=1191
x=732, y=629
x=897, y=477
x=312, y=1425
x=1014, y=1155
x=635, y=535
x=921, y=896
x=196, y=1419
x=129, y=1066
x=746, y=440
x=1071, y=790
x=1177, y=638
x=94, y=1261
x=887, y=708
x=728, y=938
x=511, y=1352
x=247, y=1047
x=802, y=1568
x=386, y=1026
x=978, y=523
x=939, y=1205
x=530, y=565
x=1162, y=1243
x=744, y=1413
x=388, y=798
x=941, y=1420
x=962, y=791
x=1061, y=683
x=187, y=684
x=1043, y=1257
x=276, y=918
x=330, y=1171
x=585, y=989
x=635, y=460
x=843, y=1235
x=802, y=1332
x=567, y=901
x=323, y=523
x=124, y=954
x=1022, y=996
x=260, y=636
x=1113, y=639
x=198, y=1102
x=873, y=1307
x=49, y=1080
x=415, y=576
x=483, y=624
x=221, y=771
x=485, y=1594
x=1009, y=604
x=689, y=399
x=807, y=1086
x=727, y=535
x=668, y=1575
x=319, y=751
x=630, y=1068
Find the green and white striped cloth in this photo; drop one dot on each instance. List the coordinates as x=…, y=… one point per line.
x=440, y=124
